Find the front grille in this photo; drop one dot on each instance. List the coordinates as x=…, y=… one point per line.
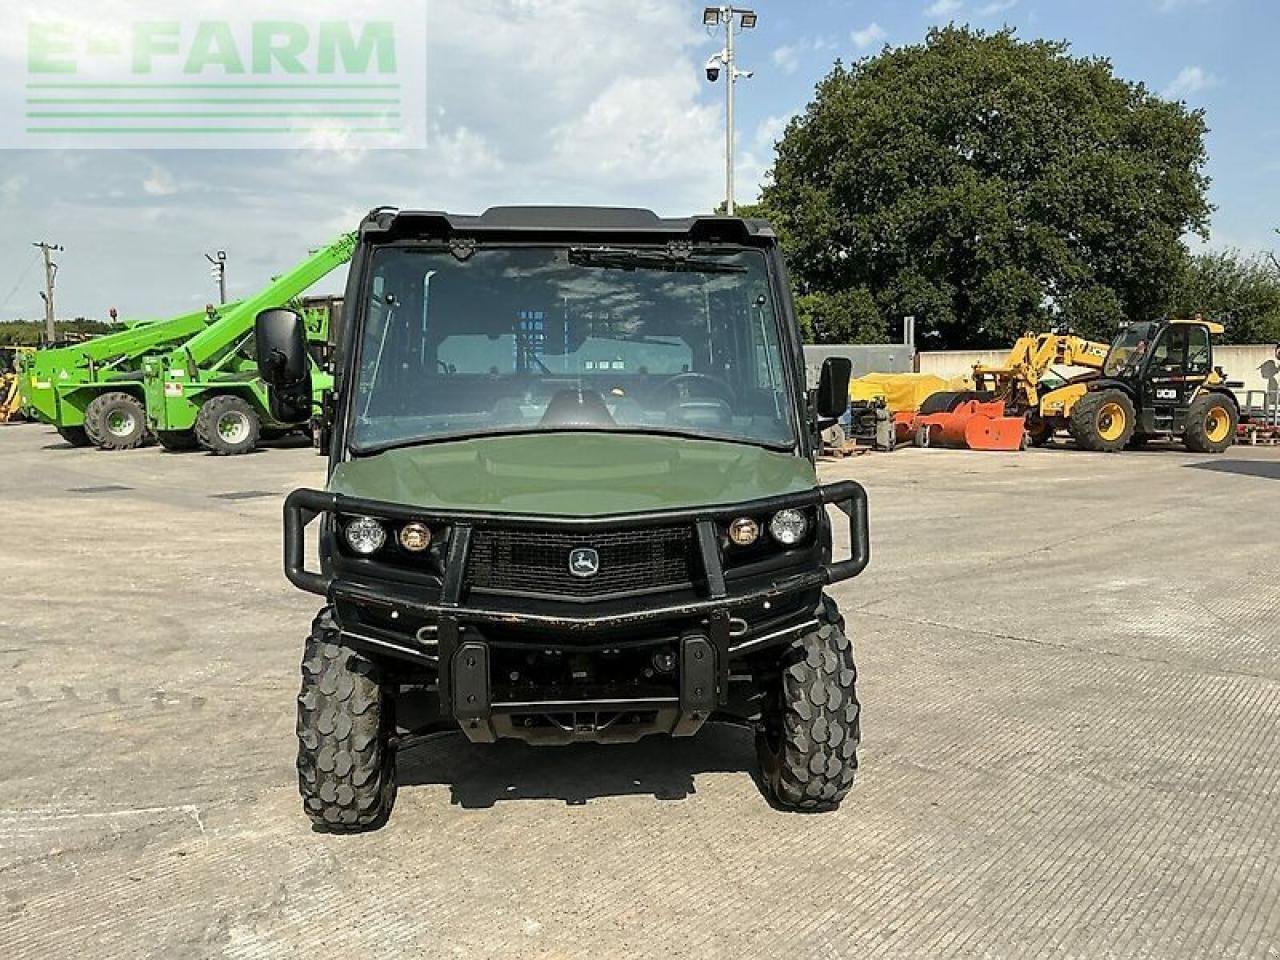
x=537, y=562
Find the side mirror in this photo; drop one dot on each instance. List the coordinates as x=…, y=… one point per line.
x=833, y=388
x=283, y=363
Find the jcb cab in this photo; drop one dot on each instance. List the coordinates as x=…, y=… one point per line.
x=571, y=496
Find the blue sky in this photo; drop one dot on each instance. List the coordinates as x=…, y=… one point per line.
x=582, y=101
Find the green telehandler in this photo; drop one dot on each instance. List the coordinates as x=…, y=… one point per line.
x=207, y=393
x=65, y=386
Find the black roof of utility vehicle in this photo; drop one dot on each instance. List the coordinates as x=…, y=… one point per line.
x=618, y=223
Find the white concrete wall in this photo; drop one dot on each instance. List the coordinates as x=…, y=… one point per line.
x=1255, y=364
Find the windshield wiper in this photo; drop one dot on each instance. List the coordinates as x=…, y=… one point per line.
x=373, y=449
x=676, y=260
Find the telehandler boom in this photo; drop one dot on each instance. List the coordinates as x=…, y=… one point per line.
x=1013, y=403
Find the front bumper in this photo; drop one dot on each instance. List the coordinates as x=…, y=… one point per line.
x=721, y=623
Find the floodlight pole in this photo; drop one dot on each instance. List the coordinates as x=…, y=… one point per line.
x=729, y=17
x=730, y=83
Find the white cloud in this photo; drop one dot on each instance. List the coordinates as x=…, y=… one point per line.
x=464, y=149
x=159, y=183
x=641, y=129
x=787, y=58
x=872, y=35
x=771, y=129
x=996, y=6
x=942, y=8
x=1190, y=81
x=11, y=189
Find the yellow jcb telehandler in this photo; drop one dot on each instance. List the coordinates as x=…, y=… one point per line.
x=1156, y=380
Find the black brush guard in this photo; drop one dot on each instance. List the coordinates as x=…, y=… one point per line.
x=461, y=658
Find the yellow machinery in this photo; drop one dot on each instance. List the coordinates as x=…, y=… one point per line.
x=1030, y=385
x=1022, y=400
x=1155, y=380
x=1158, y=382
x=10, y=382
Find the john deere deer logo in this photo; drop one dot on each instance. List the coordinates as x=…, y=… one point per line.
x=584, y=562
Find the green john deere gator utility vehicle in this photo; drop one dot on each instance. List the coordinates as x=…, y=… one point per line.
x=571, y=497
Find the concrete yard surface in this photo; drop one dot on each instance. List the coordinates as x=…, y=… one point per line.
x=1070, y=671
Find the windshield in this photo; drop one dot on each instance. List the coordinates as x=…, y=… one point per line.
x=525, y=339
x=1128, y=349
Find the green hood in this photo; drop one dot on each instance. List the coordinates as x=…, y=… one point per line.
x=573, y=474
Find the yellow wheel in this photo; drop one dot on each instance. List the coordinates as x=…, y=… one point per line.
x=1102, y=421
x=1211, y=424
x=1111, y=421
x=1217, y=425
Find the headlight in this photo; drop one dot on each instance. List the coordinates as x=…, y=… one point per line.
x=744, y=531
x=788, y=527
x=415, y=537
x=365, y=535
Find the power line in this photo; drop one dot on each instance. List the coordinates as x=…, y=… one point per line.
x=31, y=263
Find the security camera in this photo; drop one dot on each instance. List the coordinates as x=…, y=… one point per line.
x=713, y=69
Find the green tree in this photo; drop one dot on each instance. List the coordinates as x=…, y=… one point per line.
x=27, y=333
x=988, y=185
x=850, y=316
x=1243, y=293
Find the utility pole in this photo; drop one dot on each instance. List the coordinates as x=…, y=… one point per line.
x=50, y=277
x=734, y=20
x=219, y=272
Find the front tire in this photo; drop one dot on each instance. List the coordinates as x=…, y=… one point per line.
x=1211, y=424
x=76, y=436
x=808, y=742
x=116, y=421
x=346, y=762
x=228, y=426
x=1103, y=422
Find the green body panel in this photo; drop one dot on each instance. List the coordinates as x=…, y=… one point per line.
x=212, y=362
x=573, y=474
x=179, y=412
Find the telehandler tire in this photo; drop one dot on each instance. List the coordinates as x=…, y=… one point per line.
x=1103, y=422
x=808, y=741
x=346, y=761
x=178, y=441
x=116, y=421
x=1211, y=424
x=76, y=436
x=228, y=426
x=1040, y=433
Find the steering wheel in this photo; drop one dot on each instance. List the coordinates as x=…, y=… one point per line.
x=682, y=381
